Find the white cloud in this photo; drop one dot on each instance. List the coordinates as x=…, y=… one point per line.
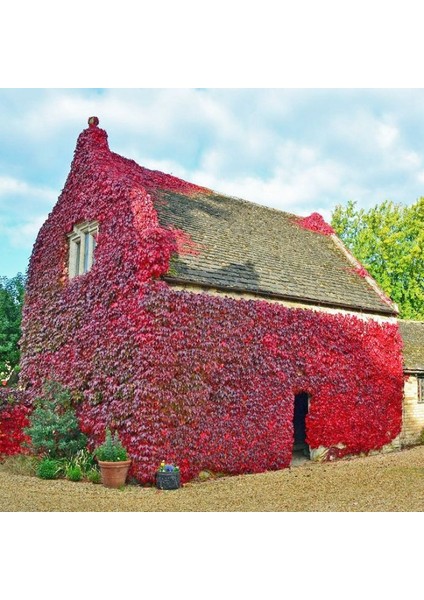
x=386, y=135
x=23, y=234
x=409, y=159
x=11, y=186
x=299, y=178
x=283, y=191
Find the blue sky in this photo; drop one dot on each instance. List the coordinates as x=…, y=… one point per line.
x=299, y=150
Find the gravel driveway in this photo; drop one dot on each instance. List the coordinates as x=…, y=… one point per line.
x=392, y=482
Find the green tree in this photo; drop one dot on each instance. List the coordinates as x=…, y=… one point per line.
x=54, y=430
x=388, y=240
x=11, y=301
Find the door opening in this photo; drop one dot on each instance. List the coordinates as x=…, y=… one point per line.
x=301, y=406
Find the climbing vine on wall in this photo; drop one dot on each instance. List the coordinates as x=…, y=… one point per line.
x=207, y=382
x=13, y=419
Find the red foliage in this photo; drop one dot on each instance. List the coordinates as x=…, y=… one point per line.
x=13, y=419
x=185, y=244
x=205, y=382
x=316, y=223
x=361, y=271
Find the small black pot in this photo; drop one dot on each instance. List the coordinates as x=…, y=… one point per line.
x=168, y=480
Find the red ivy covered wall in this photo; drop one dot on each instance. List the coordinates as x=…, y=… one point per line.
x=208, y=382
x=14, y=412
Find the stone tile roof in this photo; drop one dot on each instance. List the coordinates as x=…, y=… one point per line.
x=412, y=333
x=248, y=247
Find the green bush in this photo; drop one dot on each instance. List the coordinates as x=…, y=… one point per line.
x=112, y=449
x=79, y=466
x=48, y=468
x=74, y=473
x=54, y=431
x=83, y=459
x=94, y=476
x=11, y=302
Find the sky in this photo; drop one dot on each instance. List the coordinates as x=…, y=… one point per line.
x=299, y=150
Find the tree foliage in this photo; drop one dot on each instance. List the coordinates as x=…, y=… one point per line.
x=388, y=239
x=54, y=431
x=11, y=301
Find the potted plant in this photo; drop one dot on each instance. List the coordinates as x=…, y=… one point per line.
x=168, y=477
x=113, y=461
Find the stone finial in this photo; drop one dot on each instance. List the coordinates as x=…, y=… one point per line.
x=93, y=121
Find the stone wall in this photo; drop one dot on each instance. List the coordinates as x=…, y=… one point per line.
x=413, y=413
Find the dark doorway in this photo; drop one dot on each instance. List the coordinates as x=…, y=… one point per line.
x=301, y=405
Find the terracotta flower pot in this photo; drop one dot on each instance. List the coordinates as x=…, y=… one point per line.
x=114, y=474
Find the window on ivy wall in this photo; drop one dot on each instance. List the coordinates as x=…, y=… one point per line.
x=82, y=243
x=420, y=381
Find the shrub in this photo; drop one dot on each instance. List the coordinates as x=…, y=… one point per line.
x=48, y=469
x=54, y=429
x=74, y=473
x=79, y=465
x=14, y=410
x=94, y=476
x=112, y=449
x=84, y=460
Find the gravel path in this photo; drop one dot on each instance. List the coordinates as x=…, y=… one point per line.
x=392, y=482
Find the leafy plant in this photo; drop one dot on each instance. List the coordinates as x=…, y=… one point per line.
x=112, y=449
x=74, y=473
x=94, y=476
x=54, y=430
x=79, y=465
x=83, y=459
x=11, y=300
x=13, y=419
x=49, y=468
x=167, y=468
x=388, y=239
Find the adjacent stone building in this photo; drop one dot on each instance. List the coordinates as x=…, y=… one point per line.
x=413, y=359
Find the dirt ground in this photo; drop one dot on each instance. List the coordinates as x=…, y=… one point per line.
x=385, y=483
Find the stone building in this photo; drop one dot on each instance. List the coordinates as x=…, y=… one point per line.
x=413, y=359
x=206, y=329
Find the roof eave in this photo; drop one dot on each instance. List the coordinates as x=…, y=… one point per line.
x=283, y=297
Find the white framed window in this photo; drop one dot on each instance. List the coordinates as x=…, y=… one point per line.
x=82, y=243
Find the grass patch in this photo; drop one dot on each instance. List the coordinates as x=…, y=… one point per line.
x=20, y=464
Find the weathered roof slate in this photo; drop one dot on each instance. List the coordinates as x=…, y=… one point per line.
x=248, y=247
x=412, y=333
